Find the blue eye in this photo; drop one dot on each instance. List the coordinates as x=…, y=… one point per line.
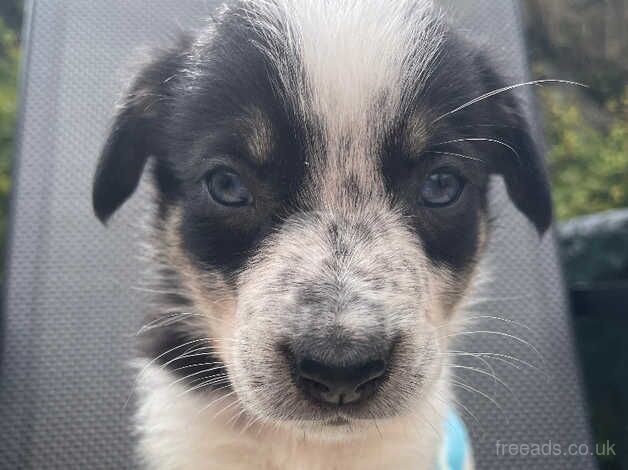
x=441, y=188
x=227, y=189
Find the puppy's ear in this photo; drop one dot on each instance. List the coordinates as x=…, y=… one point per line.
x=136, y=132
x=514, y=153
x=525, y=176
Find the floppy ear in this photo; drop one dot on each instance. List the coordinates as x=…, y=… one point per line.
x=135, y=134
x=526, y=177
x=516, y=155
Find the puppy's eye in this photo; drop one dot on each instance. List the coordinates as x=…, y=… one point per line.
x=226, y=188
x=441, y=188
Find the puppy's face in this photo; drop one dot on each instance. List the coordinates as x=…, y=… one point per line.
x=321, y=200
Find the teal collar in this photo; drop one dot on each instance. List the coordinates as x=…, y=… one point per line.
x=456, y=448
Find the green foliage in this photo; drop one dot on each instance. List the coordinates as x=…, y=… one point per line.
x=9, y=56
x=11, y=11
x=588, y=165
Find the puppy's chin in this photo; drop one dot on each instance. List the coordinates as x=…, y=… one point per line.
x=329, y=426
x=335, y=429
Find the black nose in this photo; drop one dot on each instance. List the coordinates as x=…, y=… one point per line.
x=339, y=385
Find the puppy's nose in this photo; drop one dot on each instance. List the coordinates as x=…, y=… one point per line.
x=339, y=385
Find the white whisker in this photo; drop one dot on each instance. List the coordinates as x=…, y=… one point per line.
x=454, y=154
x=458, y=383
x=198, y=364
x=204, y=371
x=482, y=139
x=214, y=380
x=498, y=333
x=506, y=89
x=495, y=378
x=166, y=320
x=145, y=368
x=221, y=397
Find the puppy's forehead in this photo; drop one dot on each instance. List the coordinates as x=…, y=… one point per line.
x=351, y=66
x=334, y=77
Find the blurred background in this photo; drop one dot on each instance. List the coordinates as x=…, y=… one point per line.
x=587, y=149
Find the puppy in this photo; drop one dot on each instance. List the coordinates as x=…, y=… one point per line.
x=320, y=172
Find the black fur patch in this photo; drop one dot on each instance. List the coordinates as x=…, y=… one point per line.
x=190, y=357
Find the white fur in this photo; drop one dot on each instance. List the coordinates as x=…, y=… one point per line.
x=352, y=52
x=180, y=432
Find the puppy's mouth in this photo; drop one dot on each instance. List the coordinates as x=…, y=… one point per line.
x=338, y=421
